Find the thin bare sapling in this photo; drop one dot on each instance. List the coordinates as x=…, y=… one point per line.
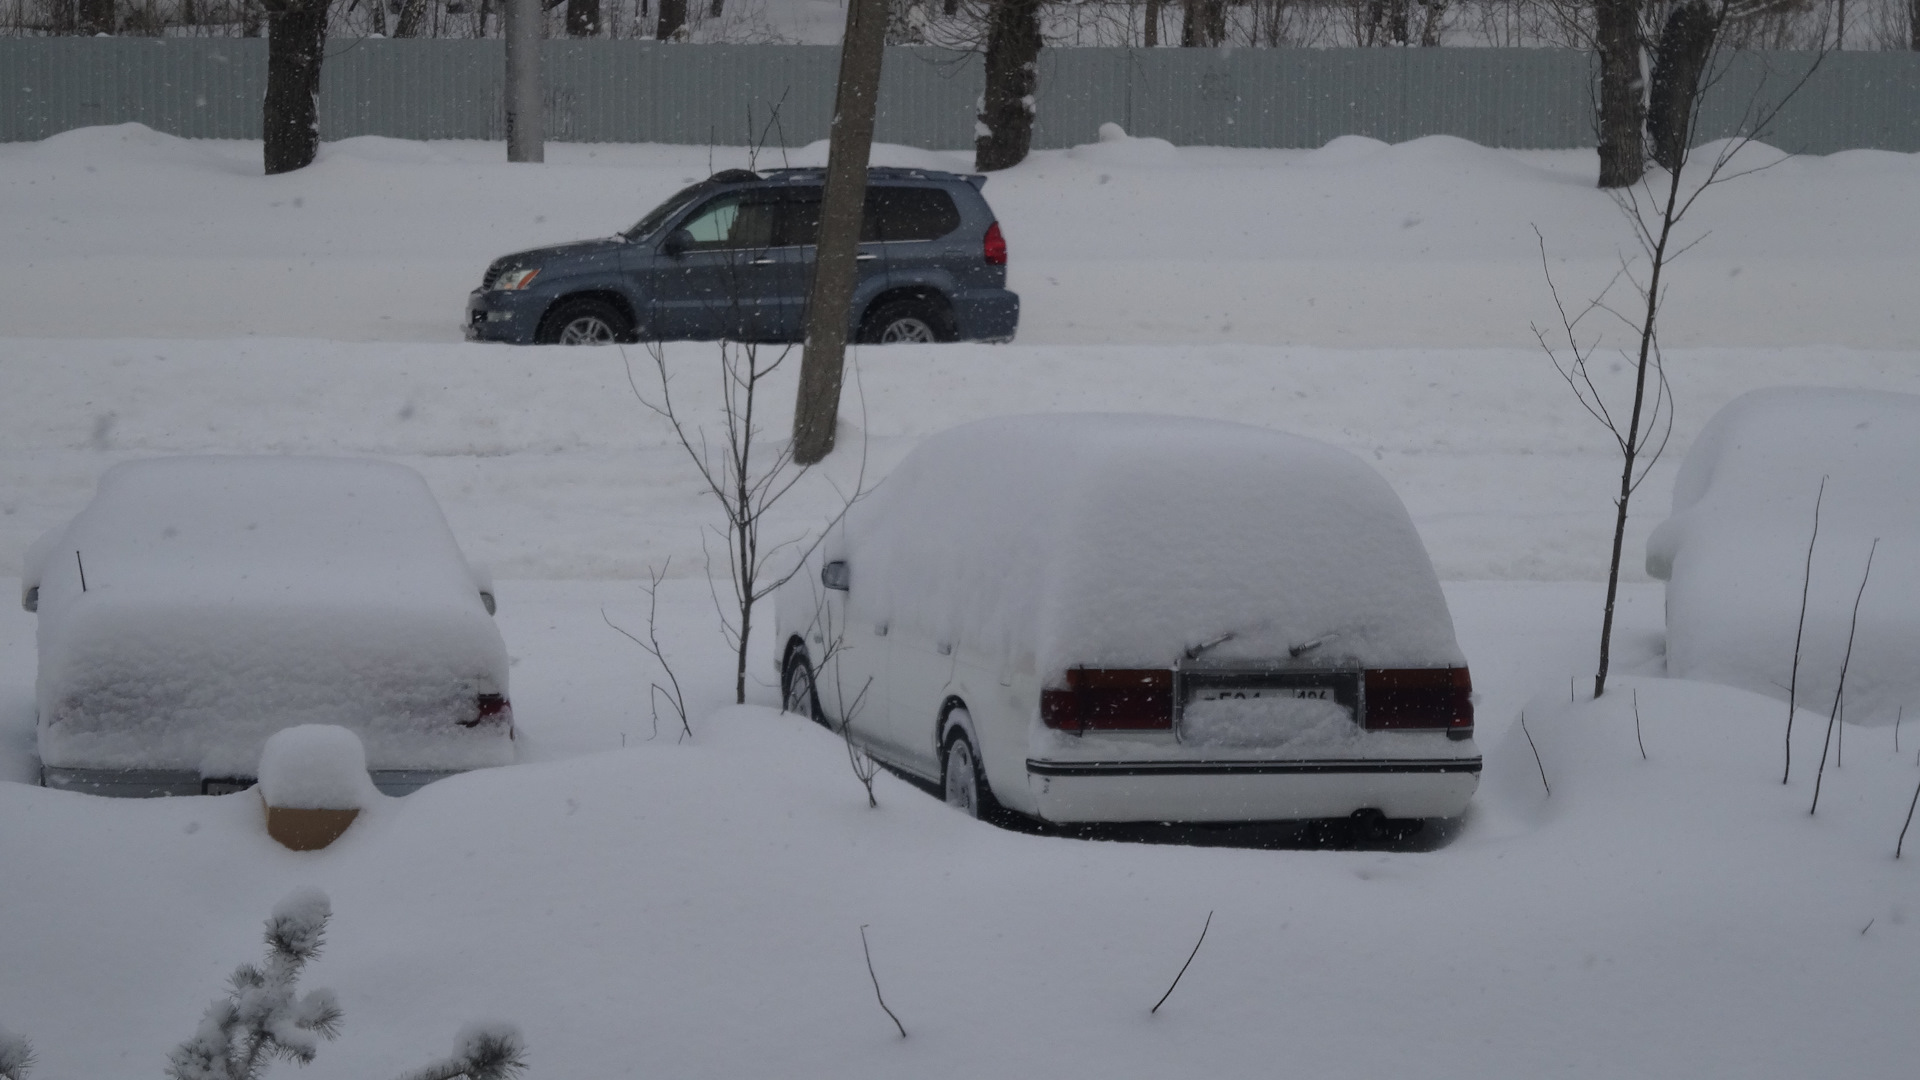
x=748, y=475
x=670, y=693
x=1840, y=691
x=1806, y=583
x=833, y=642
x=1654, y=208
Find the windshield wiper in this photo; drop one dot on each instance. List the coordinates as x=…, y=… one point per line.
x=1194, y=651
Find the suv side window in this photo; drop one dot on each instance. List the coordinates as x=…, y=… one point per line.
x=908, y=213
x=892, y=213
x=729, y=222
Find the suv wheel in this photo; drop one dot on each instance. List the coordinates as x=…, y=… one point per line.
x=910, y=320
x=584, y=321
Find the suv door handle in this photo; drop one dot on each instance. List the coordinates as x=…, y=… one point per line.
x=864, y=258
x=761, y=262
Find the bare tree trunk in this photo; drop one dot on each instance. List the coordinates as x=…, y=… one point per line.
x=1679, y=63
x=1622, y=153
x=1013, y=56
x=1913, y=25
x=290, y=115
x=1152, y=29
x=412, y=14
x=714, y=11
x=673, y=18
x=816, y=409
x=1190, y=24
x=94, y=17
x=583, y=18
x=526, y=104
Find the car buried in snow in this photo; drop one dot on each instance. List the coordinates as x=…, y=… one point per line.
x=732, y=257
x=197, y=605
x=1108, y=619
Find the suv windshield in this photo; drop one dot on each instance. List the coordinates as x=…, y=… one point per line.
x=652, y=222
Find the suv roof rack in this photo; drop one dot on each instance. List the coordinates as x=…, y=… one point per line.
x=884, y=172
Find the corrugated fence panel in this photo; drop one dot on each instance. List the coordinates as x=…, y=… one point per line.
x=774, y=95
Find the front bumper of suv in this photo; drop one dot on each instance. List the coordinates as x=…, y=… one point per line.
x=512, y=317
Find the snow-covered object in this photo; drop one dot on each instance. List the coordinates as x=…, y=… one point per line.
x=263, y=1017
x=315, y=767
x=1734, y=552
x=1045, y=542
x=226, y=598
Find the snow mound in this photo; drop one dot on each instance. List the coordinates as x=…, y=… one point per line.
x=316, y=767
x=1125, y=540
x=884, y=155
x=1735, y=550
x=1116, y=147
x=1347, y=150
x=199, y=604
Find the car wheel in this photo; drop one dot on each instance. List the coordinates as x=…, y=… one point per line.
x=799, y=695
x=962, y=779
x=584, y=321
x=905, y=322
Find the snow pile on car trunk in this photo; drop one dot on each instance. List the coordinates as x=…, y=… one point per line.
x=225, y=598
x=1735, y=551
x=1046, y=542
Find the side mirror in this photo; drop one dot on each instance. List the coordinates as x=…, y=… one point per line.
x=677, y=243
x=486, y=601
x=834, y=575
x=30, y=599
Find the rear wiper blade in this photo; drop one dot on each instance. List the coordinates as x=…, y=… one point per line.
x=1296, y=651
x=1194, y=651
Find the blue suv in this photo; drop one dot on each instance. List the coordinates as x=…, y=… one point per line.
x=732, y=257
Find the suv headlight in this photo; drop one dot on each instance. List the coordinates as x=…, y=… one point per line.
x=516, y=279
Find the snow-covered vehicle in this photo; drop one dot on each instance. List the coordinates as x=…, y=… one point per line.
x=197, y=605
x=1091, y=618
x=1739, y=551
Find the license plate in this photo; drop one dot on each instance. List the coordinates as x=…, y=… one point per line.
x=1294, y=693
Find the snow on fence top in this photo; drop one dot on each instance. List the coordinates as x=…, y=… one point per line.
x=225, y=598
x=1052, y=541
x=1735, y=550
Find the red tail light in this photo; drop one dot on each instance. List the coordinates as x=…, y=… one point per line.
x=1110, y=699
x=491, y=709
x=1400, y=699
x=996, y=246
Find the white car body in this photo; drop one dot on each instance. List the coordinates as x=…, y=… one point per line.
x=1140, y=619
x=197, y=605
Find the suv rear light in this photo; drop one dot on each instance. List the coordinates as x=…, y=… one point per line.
x=1110, y=699
x=995, y=248
x=1420, y=699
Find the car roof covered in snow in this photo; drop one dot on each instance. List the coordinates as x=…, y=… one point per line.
x=259, y=528
x=1061, y=540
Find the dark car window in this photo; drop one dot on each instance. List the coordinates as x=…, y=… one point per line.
x=892, y=213
x=731, y=222
x=908, y=213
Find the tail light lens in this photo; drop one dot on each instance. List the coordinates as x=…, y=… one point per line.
x=492, y=709
x=995, y=248
x=1404, y=699
x=1110, y=699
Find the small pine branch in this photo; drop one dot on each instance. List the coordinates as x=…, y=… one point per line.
x=485, y=1051
x=262, y=1019
x=16, y=1054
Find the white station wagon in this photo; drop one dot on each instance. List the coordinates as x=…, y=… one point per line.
x=197, y=605
x=1088, y=618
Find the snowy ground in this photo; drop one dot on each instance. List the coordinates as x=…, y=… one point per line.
x=693, y=908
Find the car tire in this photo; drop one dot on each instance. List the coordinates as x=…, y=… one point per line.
x=798, y=695
x=585, y=320
x=962, y=781
x=907, y=321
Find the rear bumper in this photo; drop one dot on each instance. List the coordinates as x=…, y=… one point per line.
x=986, y=315
x=153, y=783
x=1248, y=791
x=512, y=317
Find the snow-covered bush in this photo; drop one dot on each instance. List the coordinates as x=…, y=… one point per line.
x=16, y=1056
x=1735, y=552
x=263, y=1018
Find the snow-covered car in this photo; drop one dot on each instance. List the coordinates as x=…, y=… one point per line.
x=1089, y=618
x=1739, y=551
x=197, y=605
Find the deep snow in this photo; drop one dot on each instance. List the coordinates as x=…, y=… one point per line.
x=693, y=908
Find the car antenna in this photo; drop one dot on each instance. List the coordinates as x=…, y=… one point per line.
x=83, y=571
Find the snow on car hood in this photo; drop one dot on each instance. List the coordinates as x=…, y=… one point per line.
x=1735, y=550
x=1045, y=542
x=227, y=598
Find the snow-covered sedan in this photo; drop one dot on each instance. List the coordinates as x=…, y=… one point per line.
x=1092, y=618
x=1756, y=598
x=197, y=605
